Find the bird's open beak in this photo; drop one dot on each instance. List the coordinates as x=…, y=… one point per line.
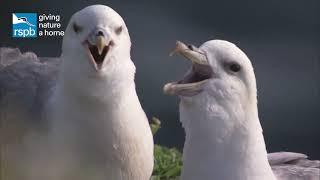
x=196, y=77
x=97, y=52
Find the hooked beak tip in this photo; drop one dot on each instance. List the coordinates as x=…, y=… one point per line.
x=191, y=53
x=179, y=47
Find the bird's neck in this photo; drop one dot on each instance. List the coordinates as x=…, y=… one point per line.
x=101, y=93
x=97, y=96
x=223, y=144
x=95, y=110
x=114, y=87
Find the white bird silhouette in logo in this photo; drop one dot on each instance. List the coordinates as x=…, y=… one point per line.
x=16, y=20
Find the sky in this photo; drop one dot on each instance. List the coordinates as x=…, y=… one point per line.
x=281, y=38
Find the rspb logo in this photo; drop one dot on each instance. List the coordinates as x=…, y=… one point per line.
x=24, y=25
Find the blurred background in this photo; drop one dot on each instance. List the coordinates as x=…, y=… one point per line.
x=282, y=39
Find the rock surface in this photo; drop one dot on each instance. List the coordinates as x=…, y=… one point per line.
x=25, y=83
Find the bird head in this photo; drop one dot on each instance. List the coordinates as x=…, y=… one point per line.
x=96, y=51
x=22, y=19
x=96, y=36
x=220, y=71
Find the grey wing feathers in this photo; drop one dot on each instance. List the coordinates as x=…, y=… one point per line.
x=294, y=166
x=284, y=157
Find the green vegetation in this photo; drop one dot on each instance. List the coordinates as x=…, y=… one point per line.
x=168, y=161
x=155, y=125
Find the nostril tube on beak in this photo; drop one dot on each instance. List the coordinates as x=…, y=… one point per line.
x=99, y=33
x=190, y=47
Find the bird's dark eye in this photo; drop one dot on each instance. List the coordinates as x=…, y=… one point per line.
x=76, y=28
x=235, y=67
x=119, y=30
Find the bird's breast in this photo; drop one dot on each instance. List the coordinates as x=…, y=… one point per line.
x=116, y=137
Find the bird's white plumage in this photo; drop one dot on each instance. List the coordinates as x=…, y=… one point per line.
x=97, y=116
x=223, y=135
x=93, y=126
x=224, y=138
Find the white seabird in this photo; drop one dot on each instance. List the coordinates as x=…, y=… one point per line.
x=97, y=114
x=97, y=127
x=218, y=110
x=16, y=20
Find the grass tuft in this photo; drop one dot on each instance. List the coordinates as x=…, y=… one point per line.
x=168, y=161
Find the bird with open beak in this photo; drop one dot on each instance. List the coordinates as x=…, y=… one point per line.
x=218, y=110
x=95, y=114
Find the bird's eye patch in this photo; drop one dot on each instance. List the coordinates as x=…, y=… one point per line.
x=234, y=67
x=119, y=30
x=76, y=28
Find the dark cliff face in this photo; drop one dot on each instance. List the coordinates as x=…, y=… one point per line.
x=281, y=39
